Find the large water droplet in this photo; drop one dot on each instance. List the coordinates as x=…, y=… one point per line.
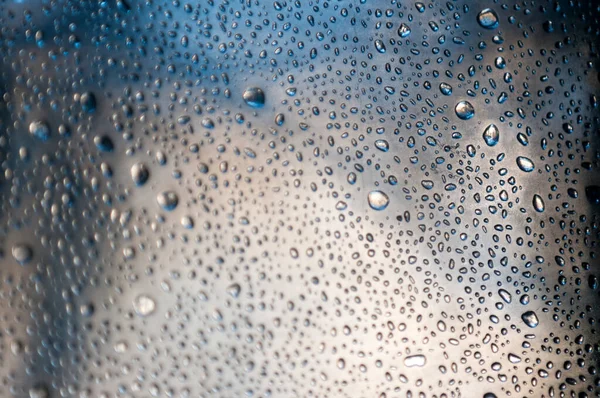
x=168, y=200
x=530, y=318
x=445, y=88
x=525, y=164
x=378, y=200
x=104, y=143
x=144, y=305
x=514, y=358
x=139, y=174
x=464, y=110
x=491, y=135
x=538, y=203
x=254, y=97
x=404, y=30
x=382, y=145
x=506, y=296
x=88, y=102
x=39, y=391
x=22, y=253
x=39, y=130
x=488, y=18
x=415, y=360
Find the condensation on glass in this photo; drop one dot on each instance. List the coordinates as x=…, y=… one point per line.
x=299, y=198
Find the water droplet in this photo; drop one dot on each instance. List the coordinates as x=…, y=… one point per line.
x=39, y=130
x=464, y=110
x=22, y=253
x=525, y=164
x=488, y=18
x=88, y=102
x=415, y=360
x=530, y=318
x=341, y=205
x=445, y=88
x=104, y=143
x=139, y=174
x=144, y=305
x=378, y=200
x=506, y=296
x=168, y=200
x=491, y=135
x=39, y=391
x=427, y=184
x=403, y=30
x=254, y=97
x=514, y=358
x=382, y=145
x=538, y=203
x=234, y=290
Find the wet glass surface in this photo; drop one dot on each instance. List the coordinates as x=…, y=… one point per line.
x=299, y=199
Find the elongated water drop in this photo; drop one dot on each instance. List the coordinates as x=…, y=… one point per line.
x=382, y=145
x=415, y=360
x=538, y=203
x=445, y=88
x=525, y=164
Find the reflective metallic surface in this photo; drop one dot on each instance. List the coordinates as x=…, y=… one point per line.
x=299, y=199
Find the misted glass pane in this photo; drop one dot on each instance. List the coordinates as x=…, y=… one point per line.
x=299, y=198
